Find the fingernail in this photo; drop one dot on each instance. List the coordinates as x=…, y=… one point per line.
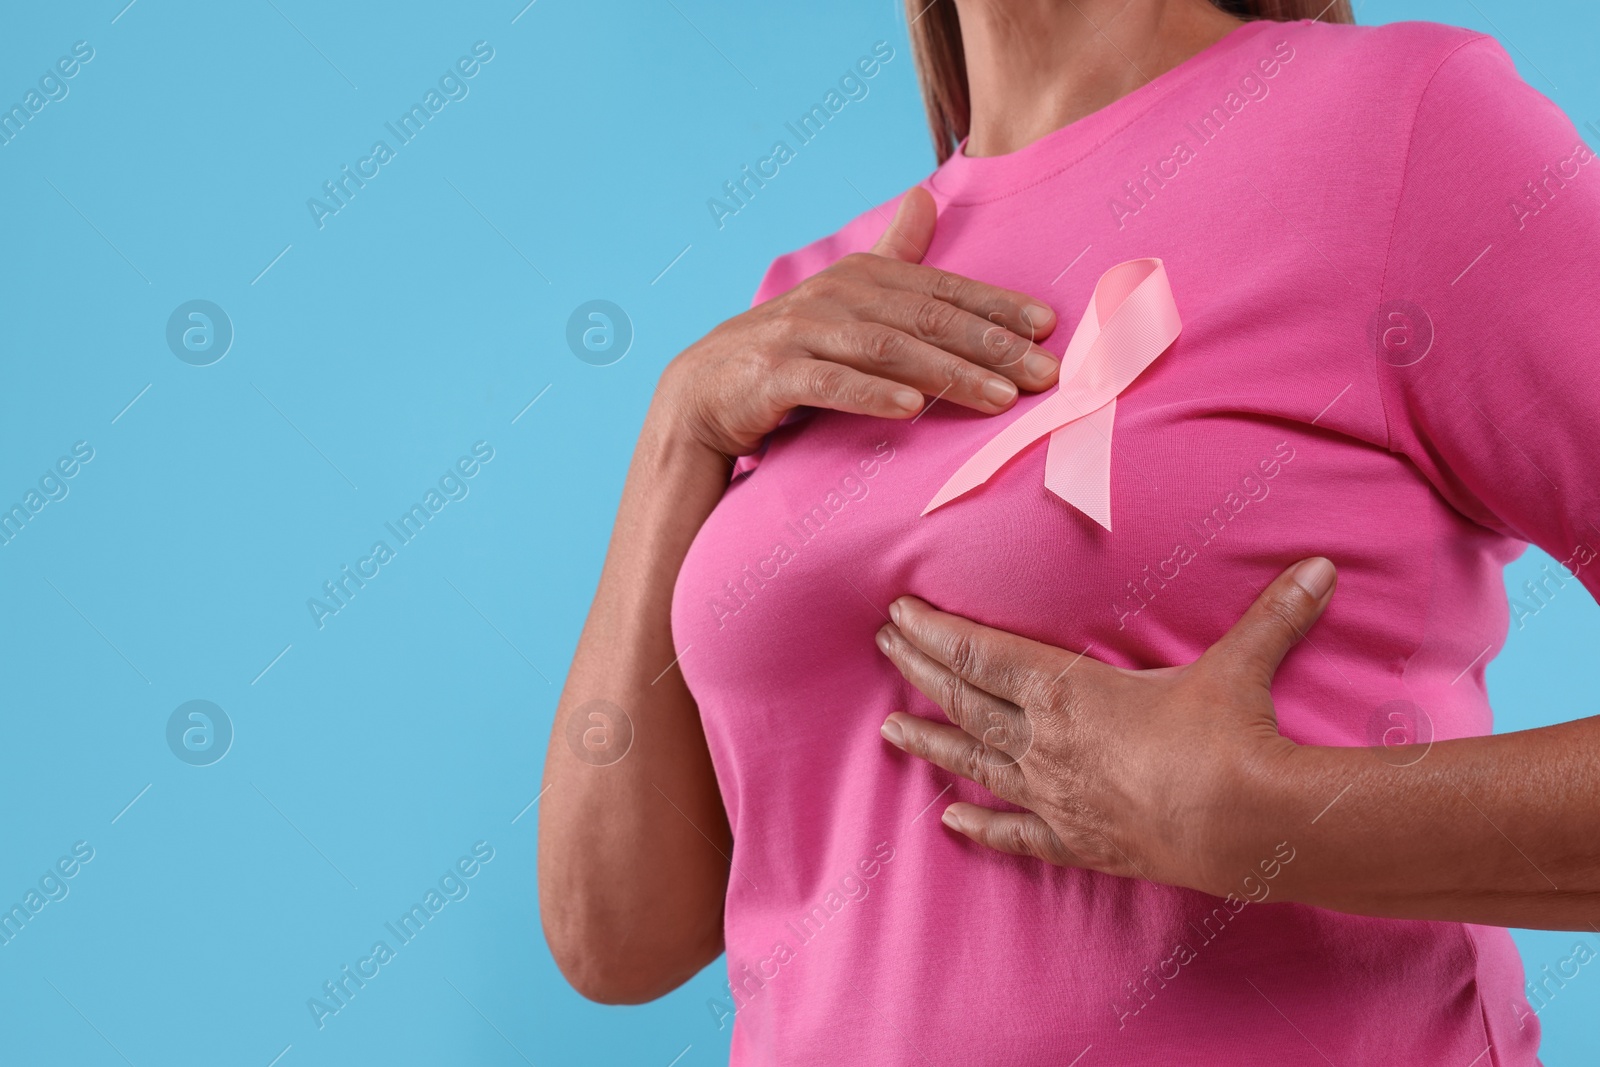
x=894, y=612
x=951, y=819
x=907, y=399
x=883, y=639
x=893, y=734
x=998, y=391
x=1315, y=576
x=1039, y=365
x=1036, y=316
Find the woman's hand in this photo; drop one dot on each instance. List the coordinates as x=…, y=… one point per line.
x=869, y=335
x=1134, y=773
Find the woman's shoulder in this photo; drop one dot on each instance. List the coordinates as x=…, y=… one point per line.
x=1400, y=60
x=1447, y=89
x=1404, y=99
x=857, y=235
x=1404, y=42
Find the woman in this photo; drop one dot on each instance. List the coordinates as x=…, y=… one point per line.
x=1196, y=808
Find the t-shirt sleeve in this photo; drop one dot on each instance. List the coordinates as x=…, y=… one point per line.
x=788, y=271
x=783, y=274
x=1487, y=334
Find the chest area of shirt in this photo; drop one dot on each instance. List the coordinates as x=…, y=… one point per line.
x=1213, y=489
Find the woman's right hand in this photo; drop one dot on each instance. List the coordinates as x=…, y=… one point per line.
x=869, y=335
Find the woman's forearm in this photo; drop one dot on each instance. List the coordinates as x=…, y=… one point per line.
x=632, y=850
x=1501, y=830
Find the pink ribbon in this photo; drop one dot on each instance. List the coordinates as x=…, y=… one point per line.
x=1131, y=319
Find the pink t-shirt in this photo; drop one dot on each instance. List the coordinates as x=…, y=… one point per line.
x=1382, y=245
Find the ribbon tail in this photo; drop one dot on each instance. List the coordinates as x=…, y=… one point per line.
x=1004, y=447
x=1078, y=465
x=973, y=473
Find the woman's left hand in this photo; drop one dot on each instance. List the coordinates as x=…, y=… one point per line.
x=1133, y=773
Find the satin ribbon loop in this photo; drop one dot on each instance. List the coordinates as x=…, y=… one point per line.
x=1131, y=319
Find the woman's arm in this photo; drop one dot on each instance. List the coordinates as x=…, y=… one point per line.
x=1501, y=830
x=633, y=854
x=1180, y=776
x=634, y=844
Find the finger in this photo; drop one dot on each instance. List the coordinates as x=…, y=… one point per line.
x=1023, y=315
x=1017, y=833
x=824, y=384
x=961, y=332
x=1276, y=622
x=999, y=724
x=888, y=353
x=1002, y=312
x=911, y=230
x=998, y=662
x=957, y=752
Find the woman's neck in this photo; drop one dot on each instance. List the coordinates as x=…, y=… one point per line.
x=1034, y=66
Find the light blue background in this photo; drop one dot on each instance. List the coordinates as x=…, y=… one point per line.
x=423, y=318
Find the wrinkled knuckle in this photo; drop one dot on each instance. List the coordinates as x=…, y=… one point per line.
x=883, y=347
x=953, y=698
x=826, y=381
x=946, y=287
x=934, y=318
x=859, y=393
x=997, y=347
x=961, y=653
x=974, y=765
x=964, y=375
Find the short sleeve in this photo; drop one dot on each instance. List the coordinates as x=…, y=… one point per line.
x=783, y=274
x=788, y=271
x=1486, y=330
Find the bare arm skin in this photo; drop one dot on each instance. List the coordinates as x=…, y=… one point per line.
x=1501, y=831
x=1180, y=776
x=634, y=851
x=631, y=888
